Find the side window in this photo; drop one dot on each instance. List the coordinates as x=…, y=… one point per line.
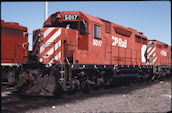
x=107, y=26
x=159, y=46
x=165, y=46
x=83, y=27
x=122, y=31
x=137, y=39
x=140, y=39
x=97, y=32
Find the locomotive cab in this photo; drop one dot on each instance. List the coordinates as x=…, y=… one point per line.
x=71, y=20
x=69, y=29
x=68, y=21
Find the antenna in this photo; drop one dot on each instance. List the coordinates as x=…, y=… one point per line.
x=46, y=10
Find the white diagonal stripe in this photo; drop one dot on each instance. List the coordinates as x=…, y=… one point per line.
x=154, y=60
x=58, y=56
x=154, y=55
x=51, y=61
x=58, y=44
x=149, y=49
x=50, y=52
x=50, y=40
x=151, y=52
x=55, y=35
x=53, y=49
x=48, y=31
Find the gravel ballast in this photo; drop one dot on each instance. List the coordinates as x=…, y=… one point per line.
x=143, y=97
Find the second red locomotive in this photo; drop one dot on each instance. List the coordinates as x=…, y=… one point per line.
x=14, y=49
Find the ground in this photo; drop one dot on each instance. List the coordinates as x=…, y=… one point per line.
x=139, y=97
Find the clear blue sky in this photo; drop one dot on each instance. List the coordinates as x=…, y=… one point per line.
x=153, y=18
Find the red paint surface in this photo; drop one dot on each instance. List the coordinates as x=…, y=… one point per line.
x=12, y=40
x=85, y=51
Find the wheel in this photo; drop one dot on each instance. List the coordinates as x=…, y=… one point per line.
x=58, y=92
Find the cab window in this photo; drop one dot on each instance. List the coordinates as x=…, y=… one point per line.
x=97, y=31
x=65, y=24
x=83, y=27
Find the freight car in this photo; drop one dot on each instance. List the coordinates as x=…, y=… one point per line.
x=14, y=48
x=76, y=51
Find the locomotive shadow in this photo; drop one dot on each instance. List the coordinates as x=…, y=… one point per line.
x=13, y=104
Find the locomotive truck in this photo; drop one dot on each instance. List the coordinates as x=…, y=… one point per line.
x=76, y=51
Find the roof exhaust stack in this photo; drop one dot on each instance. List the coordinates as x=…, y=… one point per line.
x=46, y=10
x=141, y=33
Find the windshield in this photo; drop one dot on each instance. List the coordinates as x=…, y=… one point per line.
x=70, y=25
x=65, y=24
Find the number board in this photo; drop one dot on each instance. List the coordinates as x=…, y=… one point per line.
x=70, y=17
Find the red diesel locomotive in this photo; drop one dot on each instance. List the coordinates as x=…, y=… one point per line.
x=77, y=51
x=14, y=48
